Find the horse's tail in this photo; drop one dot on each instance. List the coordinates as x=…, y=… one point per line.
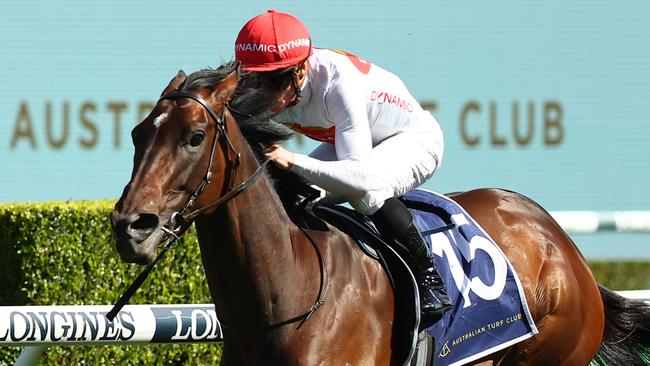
x=627, y=331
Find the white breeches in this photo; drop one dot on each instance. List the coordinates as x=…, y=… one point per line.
x=397, y=165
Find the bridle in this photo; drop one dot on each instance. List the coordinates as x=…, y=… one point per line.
x=179, y=218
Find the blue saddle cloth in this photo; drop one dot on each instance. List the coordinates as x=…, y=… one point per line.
x=490, y=311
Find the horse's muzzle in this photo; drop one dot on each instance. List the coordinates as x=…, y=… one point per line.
x=137, y=236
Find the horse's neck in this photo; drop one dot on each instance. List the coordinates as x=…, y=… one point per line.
x=252, y=266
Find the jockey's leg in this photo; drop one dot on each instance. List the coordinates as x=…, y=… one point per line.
x=397, y=165
x=394, y=221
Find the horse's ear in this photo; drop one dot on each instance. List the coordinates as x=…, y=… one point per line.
x=225, y=88
x=175, y=82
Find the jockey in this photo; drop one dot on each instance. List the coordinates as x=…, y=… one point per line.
x=377, y=142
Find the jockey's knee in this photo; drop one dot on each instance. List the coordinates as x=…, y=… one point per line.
x=371, y=188
x=372, y=201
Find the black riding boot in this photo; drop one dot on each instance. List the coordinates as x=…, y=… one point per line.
x=394, y=221
x=433, y=296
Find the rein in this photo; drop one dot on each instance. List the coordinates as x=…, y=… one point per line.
x=178, y=219
x=320, y=299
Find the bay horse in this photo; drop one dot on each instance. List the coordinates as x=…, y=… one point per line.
x=291, y=290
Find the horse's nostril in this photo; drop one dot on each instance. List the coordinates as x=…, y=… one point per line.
x=145, y=222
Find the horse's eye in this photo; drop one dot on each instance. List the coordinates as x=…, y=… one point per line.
x=196, y=139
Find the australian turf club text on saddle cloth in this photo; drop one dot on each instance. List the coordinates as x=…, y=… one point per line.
x=490, y=312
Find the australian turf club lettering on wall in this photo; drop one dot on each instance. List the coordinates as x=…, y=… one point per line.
x=87, y=124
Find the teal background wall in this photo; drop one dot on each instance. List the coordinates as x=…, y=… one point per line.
x=548, y=98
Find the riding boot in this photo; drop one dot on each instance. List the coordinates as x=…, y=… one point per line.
x=394, y=221
x=434, y=299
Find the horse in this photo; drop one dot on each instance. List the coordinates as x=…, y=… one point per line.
x=290, y=289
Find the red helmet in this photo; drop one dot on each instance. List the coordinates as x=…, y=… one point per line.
x=272, y=41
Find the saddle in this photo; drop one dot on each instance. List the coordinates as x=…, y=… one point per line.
x=407, y=309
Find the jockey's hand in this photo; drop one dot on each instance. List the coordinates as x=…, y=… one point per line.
x=280, y=156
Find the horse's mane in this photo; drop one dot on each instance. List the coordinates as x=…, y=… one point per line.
x=250, y=107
